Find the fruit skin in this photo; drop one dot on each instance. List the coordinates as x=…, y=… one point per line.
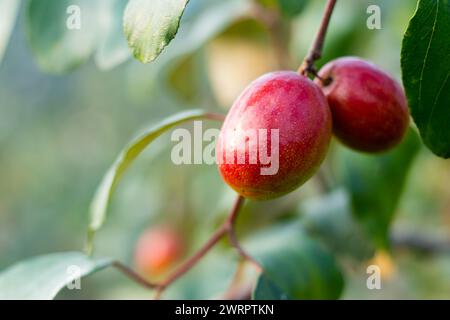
x=296, y=106
x=369, y=108
x=157, y=250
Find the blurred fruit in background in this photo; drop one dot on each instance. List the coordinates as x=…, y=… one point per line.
x=47, y=181
x=157, y=250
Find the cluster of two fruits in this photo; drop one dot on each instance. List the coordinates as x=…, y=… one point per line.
x=363, y=106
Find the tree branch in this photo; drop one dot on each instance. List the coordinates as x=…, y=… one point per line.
x=215, y=116
x=315, y=52
x=426, y=244
x=227, y=228
x=130, y=273
x=192, y=261
x=215, y=238
x=235, y=243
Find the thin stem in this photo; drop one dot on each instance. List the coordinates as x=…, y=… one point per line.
x=192, y=261
x=215, y=116
x=423, y=243
x=235, y=282
x=315, y=52
x=230, y=228
x=229, y=223
x=235, y=243
x=133, y=275
x=244, y=294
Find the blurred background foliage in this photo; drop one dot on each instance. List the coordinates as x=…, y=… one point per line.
x=60, y=131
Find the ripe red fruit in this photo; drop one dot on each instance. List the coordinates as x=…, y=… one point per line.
x=283, y=101
x=157, y=250
x=369, y=108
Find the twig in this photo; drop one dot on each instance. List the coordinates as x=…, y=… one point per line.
x=215, y=238
x=315, y=52
x=235, y=283
x=421, y=243
x=243, y=293
x=235, y=243
x=230, y=229
x=192, y=261
x=223, y=230
x=215, y=116
x=133, y=275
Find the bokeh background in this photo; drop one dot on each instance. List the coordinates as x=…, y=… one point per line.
x=60, y=133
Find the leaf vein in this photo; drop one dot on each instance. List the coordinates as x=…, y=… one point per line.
x=426, y=56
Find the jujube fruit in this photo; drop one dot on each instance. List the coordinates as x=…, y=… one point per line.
x=369, y=108
x=157, y=250
x=283, y=101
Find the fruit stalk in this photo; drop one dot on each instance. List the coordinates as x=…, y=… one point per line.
x=136, y=277
x=215, y=238
x=315, y=52
x=227, y=228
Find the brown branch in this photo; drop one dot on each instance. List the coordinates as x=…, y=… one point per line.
x=315, y=52
x=192, y=261
x=215, y=238
x=230, y=229
x=222, y=231
x=215, y=116
x=235, y=243
x=426, y=244
x=235, y=283
x=242, y=293
x=133, y=275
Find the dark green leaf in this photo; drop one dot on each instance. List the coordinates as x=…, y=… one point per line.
x=330, y=219
x=426, y=73
x=41, y=278
x=295, y=266
x=151, y=24
x=202, y=21
x=104, y=192
x=267, y=290
x=57, y=43
x=376, y=184
x=8, y=14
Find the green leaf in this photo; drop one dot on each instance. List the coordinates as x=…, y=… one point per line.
x=202, y=21
x=8, y=15
x=58, y=42
x=151, y=24
x=113, y=47
x=426, y=73
x=99, y=205
x=376, y=184
x=41, y=278
x=292, y=8
x=265, y=289
x=329, y=218
x=295, y=266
